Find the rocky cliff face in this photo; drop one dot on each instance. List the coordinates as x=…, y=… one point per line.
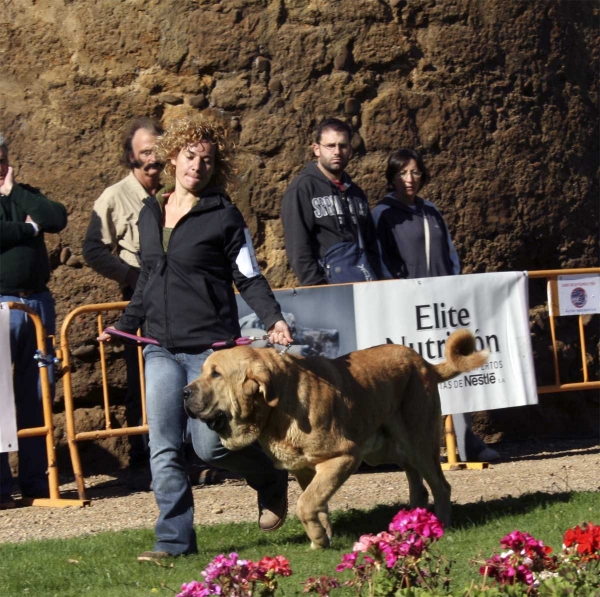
x=500, y=95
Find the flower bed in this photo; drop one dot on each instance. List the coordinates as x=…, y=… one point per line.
x=402, y=561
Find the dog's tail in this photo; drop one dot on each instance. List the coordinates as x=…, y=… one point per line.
x=460, y=355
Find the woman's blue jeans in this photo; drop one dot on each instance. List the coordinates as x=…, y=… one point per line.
x=167, y=373
x=33, y=458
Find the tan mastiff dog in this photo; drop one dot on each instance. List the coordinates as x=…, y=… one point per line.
x=320, y=418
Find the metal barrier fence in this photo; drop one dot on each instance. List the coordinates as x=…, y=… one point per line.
x=585, y=384
x=48, y=429
x=63, y=354
x=558, y=386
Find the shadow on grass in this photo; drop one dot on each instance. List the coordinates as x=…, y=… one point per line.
x=356, y=522
x=482, y=512
x=351, y=524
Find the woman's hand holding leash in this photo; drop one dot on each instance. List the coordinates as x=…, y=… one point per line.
x=105, y=336
x=279, y=333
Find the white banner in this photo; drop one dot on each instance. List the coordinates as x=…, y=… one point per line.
x=422, y=313
x=8, y=417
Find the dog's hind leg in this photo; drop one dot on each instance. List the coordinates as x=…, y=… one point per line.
x=417, y=491
x=312, y=507
x=440, y=488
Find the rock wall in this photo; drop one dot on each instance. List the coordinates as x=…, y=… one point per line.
x=500, y=95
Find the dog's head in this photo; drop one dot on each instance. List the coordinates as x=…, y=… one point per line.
x=232, y=395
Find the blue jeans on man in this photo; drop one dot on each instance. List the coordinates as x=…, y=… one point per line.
x=167, y=374
x=471, y=448
x=33, y=458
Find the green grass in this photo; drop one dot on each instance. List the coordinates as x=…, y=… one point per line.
x=105, y=565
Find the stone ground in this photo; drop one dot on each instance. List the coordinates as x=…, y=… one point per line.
x=124, y=501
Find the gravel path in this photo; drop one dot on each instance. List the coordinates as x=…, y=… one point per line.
x=123, y=501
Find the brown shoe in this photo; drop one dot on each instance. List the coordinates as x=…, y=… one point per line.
x=272, y=516
x=153, y=556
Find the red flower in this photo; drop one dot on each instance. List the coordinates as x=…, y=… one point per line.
x=586, y=540
x=278, y=564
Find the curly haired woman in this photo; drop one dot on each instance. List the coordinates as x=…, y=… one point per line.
x=194, y=245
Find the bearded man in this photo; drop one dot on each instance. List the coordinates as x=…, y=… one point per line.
x=329, y=232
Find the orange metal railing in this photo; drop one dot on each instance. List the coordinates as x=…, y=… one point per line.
x=64, y=354
x=48, y=429
x=558, y=386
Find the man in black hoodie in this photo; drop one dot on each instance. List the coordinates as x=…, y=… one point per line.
x=324, y=213
x=25, y=217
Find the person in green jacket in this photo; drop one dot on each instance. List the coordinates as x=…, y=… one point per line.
x=25, y=217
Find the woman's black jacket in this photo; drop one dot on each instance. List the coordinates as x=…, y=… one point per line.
x=185, y=295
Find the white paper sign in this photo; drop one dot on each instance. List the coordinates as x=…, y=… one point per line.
x=8, y=417
x=579, y=295
x=422, y=313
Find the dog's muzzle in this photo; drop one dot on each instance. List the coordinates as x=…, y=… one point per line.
x=187, y=396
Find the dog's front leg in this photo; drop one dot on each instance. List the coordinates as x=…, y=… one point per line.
x=312, y=507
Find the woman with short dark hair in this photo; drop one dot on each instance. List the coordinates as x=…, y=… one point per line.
x=414, y=242
x=413, y=237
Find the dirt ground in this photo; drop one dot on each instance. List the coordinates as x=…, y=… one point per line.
x=124, y=501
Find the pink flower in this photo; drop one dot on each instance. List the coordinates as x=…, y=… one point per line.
x=407, y=545
x=235, y=577
x=524, y=543
x=193, y=589
x=507, y=570
x=419, y=520
x=524, y=574
x=348, y=561
x=364, y=543
x=221, y=565
x=367, y=541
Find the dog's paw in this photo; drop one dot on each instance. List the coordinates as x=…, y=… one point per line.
x=323, y=543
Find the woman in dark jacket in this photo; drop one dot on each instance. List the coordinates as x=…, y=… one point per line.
x=414, y=242
x=194, y=245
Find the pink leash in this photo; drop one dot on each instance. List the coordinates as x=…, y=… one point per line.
x=133, y=338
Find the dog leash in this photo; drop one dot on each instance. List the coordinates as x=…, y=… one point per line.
x=243, y=341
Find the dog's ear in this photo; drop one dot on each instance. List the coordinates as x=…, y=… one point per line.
x=257, y=382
